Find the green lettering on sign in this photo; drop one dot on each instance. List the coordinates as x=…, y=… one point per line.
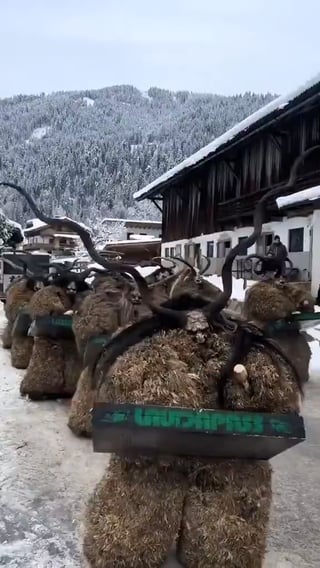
x=198, y=420
x=280, y=426
x=61, y=322
x=186, y=420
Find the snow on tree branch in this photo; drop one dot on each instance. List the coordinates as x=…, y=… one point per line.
x=11, y=233
x=102, y=231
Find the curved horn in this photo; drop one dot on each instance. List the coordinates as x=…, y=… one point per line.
x=23, y=270
x=184, y=261
x=203, y=270
x=114, y=266
x=240, y=249
x=169, y=259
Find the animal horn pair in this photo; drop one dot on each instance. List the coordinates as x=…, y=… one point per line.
x=240, y=249
x=195, y=270
x=178, y=317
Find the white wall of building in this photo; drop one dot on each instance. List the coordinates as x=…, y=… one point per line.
x=315, y=263
x=121, y=231
x=301, y=260
x=142, y=230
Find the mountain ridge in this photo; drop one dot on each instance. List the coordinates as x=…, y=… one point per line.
x=84, y=153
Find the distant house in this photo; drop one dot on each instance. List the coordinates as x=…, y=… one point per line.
x=42, y=237
x=133, y=251
x=127, y=227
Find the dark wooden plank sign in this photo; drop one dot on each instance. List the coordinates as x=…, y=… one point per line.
x=305, y=316
x=129, y=429
x=21, y=324
x=53, y=327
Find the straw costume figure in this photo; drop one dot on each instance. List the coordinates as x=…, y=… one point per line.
x=55, y=364
x=189, y=353
x=114, y=305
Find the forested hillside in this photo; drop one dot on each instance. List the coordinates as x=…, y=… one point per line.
x=85, y=153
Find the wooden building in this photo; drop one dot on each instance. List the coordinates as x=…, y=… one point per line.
x=125, y=228
x=42, y=237
x=134, y=251
x=209, y=198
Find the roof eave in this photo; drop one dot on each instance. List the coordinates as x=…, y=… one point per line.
x=299, y=100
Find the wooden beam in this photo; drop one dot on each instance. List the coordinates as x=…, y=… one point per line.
x=154, y=201
x=231, y=169
x=275, y=140
x=280, y=133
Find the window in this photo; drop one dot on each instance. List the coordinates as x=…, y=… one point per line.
x=245, y=252
x=178, y=250
x=186, y=251
x=296, y=240
x=166, y=252
x=223, y=248
x=171, y=251
x=210, y=249
x=263, y=243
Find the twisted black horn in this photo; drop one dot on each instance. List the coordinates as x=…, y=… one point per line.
x=85, y=236
x=240, y=249
x=203, y=270
x=21, y=269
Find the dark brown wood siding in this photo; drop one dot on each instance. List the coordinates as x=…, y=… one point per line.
x=223, y=192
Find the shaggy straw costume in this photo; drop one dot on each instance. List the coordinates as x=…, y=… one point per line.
x=18, y=296
x=104, y=312
x=6, y=336
x=54, y=366
x=112, y=305
x=217, y=511
x=21, y=351
x=274, y=300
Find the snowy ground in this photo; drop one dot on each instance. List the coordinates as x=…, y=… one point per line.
x=47, y=474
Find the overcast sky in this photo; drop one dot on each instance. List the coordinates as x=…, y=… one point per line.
x=218, y=46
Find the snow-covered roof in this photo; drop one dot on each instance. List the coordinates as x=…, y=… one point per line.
x=132, y=221
x=277, y=105
x=148, y=240
x=59, y=259
x=36, y=224
x=67, y=235
x=306, y=195
x=138, y=237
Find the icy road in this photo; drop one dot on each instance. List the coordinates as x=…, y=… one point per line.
x=47, y=474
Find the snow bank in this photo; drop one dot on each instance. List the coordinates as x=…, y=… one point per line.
x=304, y=195
x=238, y=292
